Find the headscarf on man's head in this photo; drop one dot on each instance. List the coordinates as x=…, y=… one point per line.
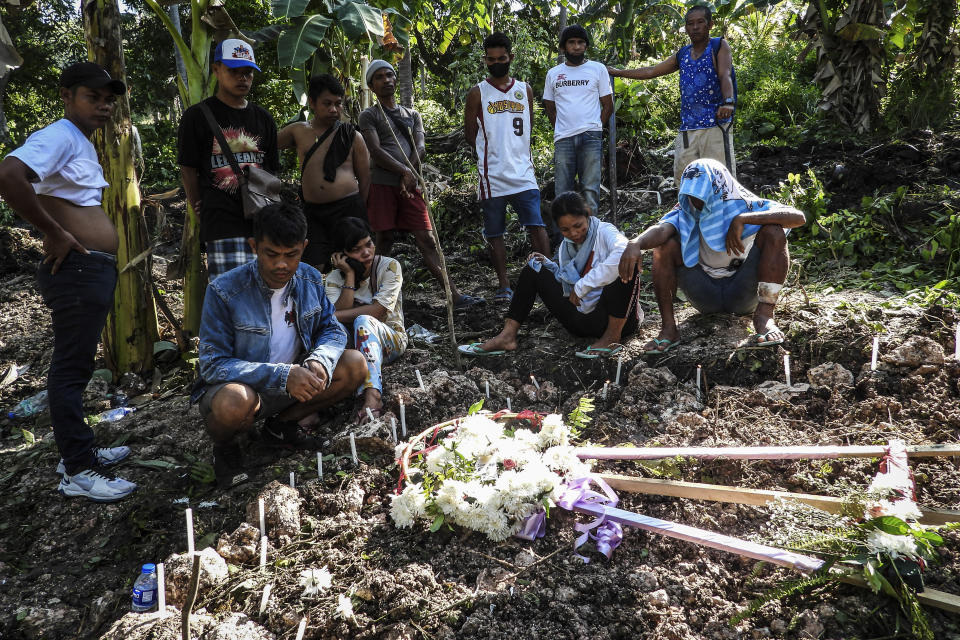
x=723, y=200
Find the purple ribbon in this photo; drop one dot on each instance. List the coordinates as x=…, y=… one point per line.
x=608, y=534
x=534, y=526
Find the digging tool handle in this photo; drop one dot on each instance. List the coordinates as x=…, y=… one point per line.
x=727, y=151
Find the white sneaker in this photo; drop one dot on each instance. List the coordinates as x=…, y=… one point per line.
x=96, y=484
x=106, y=456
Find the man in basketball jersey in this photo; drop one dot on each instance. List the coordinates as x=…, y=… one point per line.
x=497, y=121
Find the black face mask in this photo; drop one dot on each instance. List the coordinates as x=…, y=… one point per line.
x=499, y=69
x=575, y=60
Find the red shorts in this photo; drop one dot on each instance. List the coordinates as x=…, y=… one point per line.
x=388, y=208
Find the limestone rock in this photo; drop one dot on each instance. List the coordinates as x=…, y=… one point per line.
x=281, y=509
x=916, y=351
x=830, y=374
x=179, y=567
x=658, y=598
x=240, y=547
x=150, y=626
x=779, y=391
x=56, y=621
x=660, y=378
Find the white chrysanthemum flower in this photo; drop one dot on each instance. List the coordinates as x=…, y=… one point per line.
x=906, y=510
x=408, y=506
x=881, y=542
x=513, y=453
x=439, y=459
x=314, y=581
x=344, y=607
x=553, y=432
x=449, y=496
x=563, y=460
x=480, y=426
x=884, y=485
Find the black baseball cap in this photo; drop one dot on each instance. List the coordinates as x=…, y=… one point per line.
x=92, y=75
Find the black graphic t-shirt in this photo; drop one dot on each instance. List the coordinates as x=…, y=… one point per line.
x=252, y=136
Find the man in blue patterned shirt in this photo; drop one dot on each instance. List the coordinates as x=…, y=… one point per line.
x=707, y=96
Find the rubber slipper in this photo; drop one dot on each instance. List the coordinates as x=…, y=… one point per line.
x=503, y=295
x=467, y=301
x=592, y=353
x=659, y=341
x=473, y=349
x=768, y=343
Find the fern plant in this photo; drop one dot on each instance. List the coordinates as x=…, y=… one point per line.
x=580, y=417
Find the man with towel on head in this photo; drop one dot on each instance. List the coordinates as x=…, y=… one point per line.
x=723, y=246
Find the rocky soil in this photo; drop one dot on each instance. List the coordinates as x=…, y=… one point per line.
x=67, y=567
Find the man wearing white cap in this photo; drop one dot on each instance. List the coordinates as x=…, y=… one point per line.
x=395, y=139
x=209, y=181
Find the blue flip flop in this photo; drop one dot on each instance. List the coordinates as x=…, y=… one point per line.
x=592, y=353
x=659, y=341
x=473, y=349
x=503, y=295
x=467, y=301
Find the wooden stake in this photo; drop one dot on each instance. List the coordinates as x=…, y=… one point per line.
x=762, y=453
x=739, y=495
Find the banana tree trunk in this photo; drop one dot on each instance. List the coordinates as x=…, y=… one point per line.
x=132, y=324
x=405, y=79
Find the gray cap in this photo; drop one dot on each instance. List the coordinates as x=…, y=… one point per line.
x=375, y=66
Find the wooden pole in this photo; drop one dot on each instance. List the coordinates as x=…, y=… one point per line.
x=738, y=495
x=612, y=155
x=761, y=453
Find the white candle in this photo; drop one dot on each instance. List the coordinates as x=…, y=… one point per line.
x=301, y=628
x=699, y=370
x=956, y=343
x=619, y=365
x=263, y=522
x=190, y=531
x=161, y=591
x=293, y=484
x=263, y=552
x=319, y=466
x=353, y=448
x=487, y=385
x=873, y=358
x=534, y=381
x=889, y=415
x=605, y=384
x=786, y=368
x=393, y=428
x=403, y=419
x=420, y=379
x=370, y=414
x=509, y=408
x=266, y=597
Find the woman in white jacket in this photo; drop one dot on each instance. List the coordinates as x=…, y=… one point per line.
x=581, y=286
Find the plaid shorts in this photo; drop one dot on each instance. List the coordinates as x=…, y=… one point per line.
x=226, y=254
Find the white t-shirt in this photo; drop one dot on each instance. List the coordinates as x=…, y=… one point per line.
x=65, y=162
x=284, y=342
x=389, y=285
x=717, y=263
x=577, y=92
x=503, y=141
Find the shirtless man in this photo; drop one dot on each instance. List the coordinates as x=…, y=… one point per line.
x=334, y=165
x=54, y=181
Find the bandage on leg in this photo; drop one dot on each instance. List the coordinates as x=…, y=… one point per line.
x=768, y=292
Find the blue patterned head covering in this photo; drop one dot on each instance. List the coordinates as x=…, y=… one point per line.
x=723, y=200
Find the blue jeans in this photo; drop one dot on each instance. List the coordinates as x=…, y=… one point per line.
x=80, y=295
x=579, y=156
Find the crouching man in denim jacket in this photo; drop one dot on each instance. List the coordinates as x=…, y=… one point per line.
x=270, y=346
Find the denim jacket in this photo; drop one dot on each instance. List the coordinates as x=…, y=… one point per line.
x=235, y=329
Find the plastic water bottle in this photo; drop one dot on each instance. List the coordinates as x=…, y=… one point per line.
x=145, y=589
x=112, y=415
x=30, y=406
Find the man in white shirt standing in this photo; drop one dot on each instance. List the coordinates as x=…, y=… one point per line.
x=55, y=182
x=578, y=100
x=497, y=122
